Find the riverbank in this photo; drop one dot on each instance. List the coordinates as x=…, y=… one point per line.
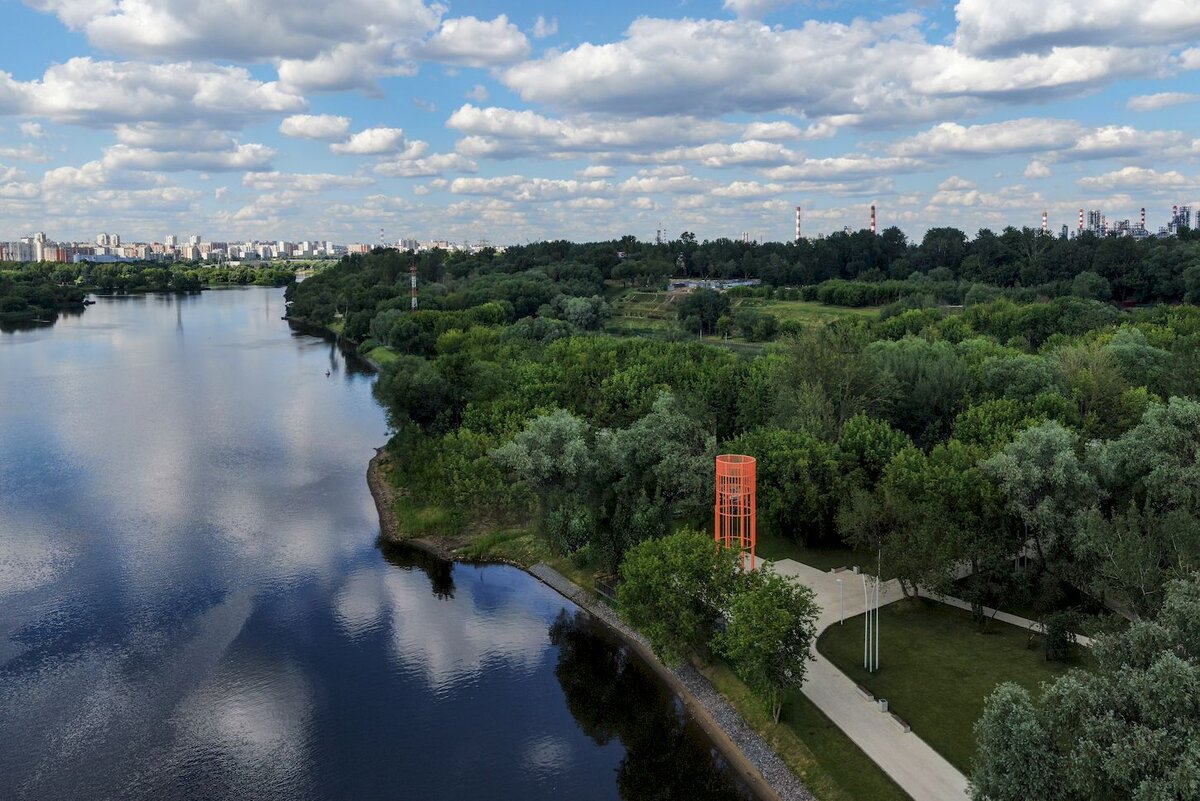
x=747, y=753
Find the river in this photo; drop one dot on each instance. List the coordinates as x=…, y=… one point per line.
x=193, y=603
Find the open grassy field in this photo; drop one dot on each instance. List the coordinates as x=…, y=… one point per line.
x=382, y=355
x=653, y=311
x=804, y=311
x=936, y=668
x=816, y=750
x=653, y=314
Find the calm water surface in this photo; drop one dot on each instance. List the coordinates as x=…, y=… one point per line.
x=192, y=603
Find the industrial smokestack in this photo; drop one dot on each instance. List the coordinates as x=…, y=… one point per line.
x=412, y=276
x=1045, y=222
x=1081, y=221
x=872, y=218
x=799, y=215
x=1143, y=218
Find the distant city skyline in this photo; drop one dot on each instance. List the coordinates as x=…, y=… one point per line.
x=518, y=121
x=41, y=247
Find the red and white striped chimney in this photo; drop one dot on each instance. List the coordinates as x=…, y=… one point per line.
x=1045, y=222
x=1143, y=218
x=799, y=213
x=872, y=218
x=1081, y=221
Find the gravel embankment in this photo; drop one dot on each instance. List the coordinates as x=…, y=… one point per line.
x=741, y=745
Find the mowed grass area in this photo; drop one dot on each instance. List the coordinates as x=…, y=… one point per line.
x=825, y=759
x=642, y=312
x=936, y=668
x=804, y=311
x=381, y=355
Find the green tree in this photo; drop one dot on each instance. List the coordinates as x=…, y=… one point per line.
x=674, y=589
x=868, y=444
x=1091, y=286
x=1044, y=484
x=823, y=379
x=1131, y=556
x=943, y=513
x=707, y=306
x=1016, y=759
x=992, y=424
x=553, y=457
x=1128, y=728
x=414, y=392
x=1021, y=377
x=1139, y=362
x=769, y=634
x=932, y=382
x=797, y=475
x=1157, y=463
x=657, y=470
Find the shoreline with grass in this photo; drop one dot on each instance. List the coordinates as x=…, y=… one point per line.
x=816, y=756
x=726, y=742
x=726, y=739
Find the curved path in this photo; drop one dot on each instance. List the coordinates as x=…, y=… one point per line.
x=919, y=770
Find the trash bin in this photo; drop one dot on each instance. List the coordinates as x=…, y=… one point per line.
x=883, y=707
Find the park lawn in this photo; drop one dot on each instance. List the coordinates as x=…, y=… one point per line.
x=655, y=311
x=936, y=668
x=382, y=355
x=809, y=312
x=825, y=760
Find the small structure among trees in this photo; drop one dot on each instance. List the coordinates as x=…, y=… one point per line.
x=736, y=510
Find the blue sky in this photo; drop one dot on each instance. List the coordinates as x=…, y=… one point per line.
x=511, y=121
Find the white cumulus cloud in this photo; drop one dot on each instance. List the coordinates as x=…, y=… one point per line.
x=1137, y=178
x=1161, y=100
x=315, y=126
x=372, y=142
x=1037, y=169
x=989, y=27
x=474, y=42
x=101, y=93
x=544, y=28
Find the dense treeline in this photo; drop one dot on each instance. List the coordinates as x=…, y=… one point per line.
x=145, y=276
x=32, y=291
x=1051, y=448
x=863, y=269
x=901, y=433
x=28, y=295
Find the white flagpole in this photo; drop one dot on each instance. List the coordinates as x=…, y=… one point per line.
x=866, y=624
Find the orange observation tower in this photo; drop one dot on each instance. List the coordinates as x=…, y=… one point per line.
x=735, y=521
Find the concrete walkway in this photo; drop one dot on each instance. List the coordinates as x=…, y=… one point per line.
x=922, y=772
x=1004, y=617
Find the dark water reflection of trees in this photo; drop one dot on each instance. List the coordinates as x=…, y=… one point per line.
x=613, y=696
x=440, y=572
